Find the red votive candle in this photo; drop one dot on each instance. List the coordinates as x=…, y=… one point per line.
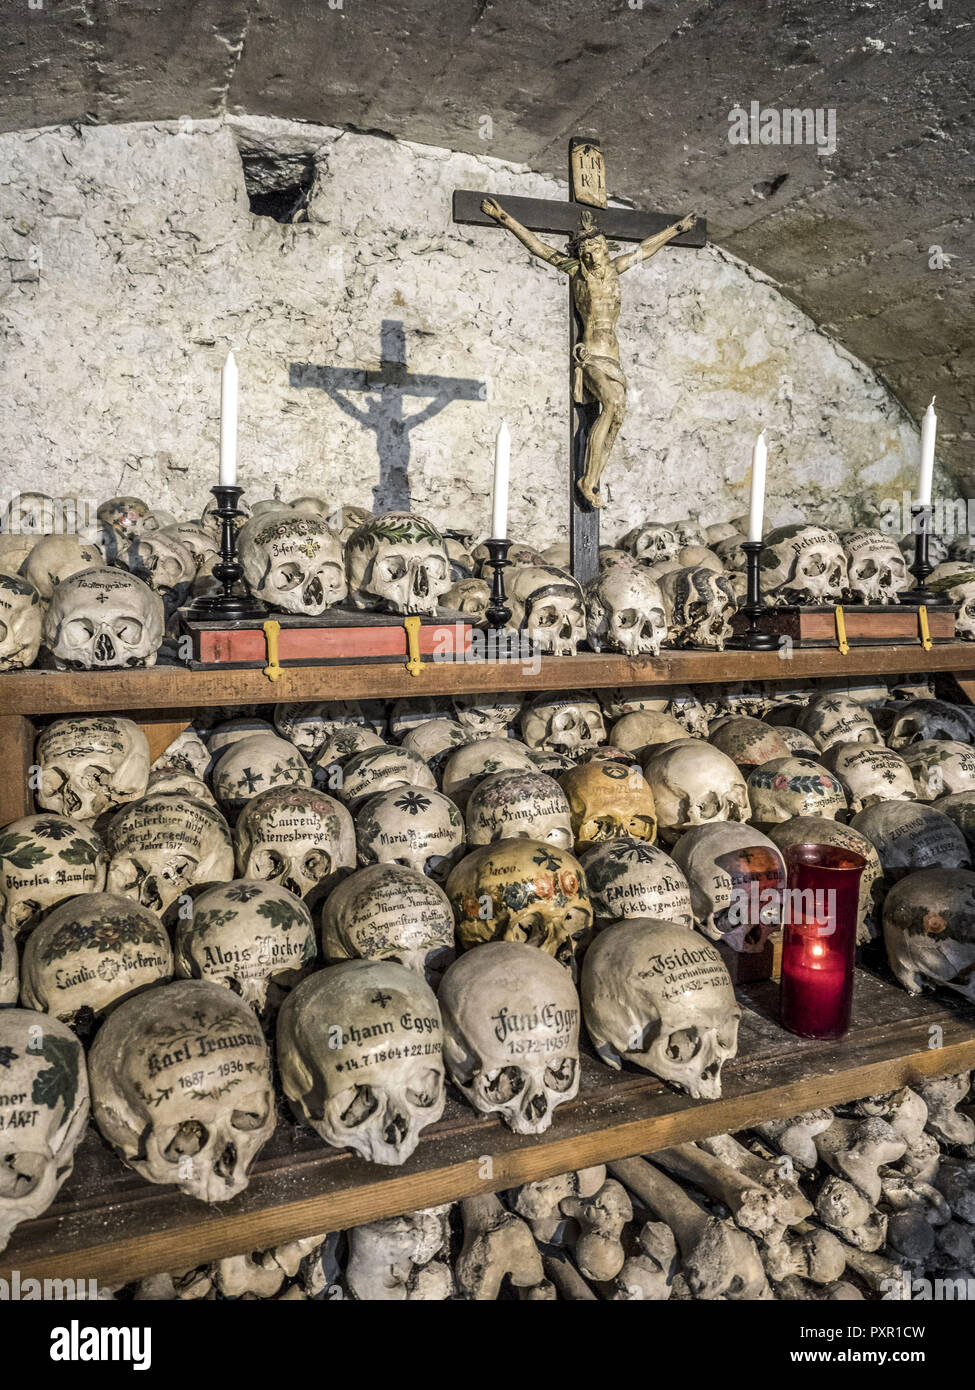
x=819, y=939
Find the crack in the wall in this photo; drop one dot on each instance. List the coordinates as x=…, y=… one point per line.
x=235, y=48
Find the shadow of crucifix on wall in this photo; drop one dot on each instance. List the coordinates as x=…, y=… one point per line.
x=383, y=411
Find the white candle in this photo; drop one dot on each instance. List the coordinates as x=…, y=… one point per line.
x=228, y=423
x=756, y=511
x=502, y=467
x=929, y=429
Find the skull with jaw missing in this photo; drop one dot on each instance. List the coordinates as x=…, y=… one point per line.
x=397, y=562
x=293, y=562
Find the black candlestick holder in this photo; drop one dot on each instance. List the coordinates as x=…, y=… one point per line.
x=230, y=605
x=921, y=517
x=754, y=609
x=498, y=612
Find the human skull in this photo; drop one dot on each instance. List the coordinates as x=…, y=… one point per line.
x=869, y=773
x=197, y=539
x=246, y=935
x=422, y=829
x=392, y=1260
x=693, y=784
x=875, y=566
x=46, y=859
x=339, y=747
x=911, y=721
x=58, y=557
x=344, y=519
x=632, y=878
x=186, y=753
x=123, y=514
x=803, y=564
x=518, y=804
x=964, y=596
x=748, y=742
x=960, y=807
x=102, y=618
x=488, y=714
x=522, y=890
x=652, y=542
x=568, y=721
x=625, y=612
x=397, y=562
x=43, y=1113
x=801, y=744
x=298, y=838
x=939, y=766
x=228, y=731
x=407, y=714
x=519, y=554
x=817, y=830
x=736, y=877
x=511, y=1033
x=162, y=844
x=309, y=725
x=254, y=765
x=21, y=623
x=643, y=729
x=470, y=597
x=360, y=1051
x=181, y=1087
x=92, y=952
x=699, y=604
x=908, y=835
x=389, y=912
x=469, y=764
x=834, y=718
x=172, y=779
x=434, y=741
x=164, y=563
x=608, y=800
x=89, y=763
x=787, y=787
x=679, y=701
x=610, y=555
x=659, y=996
x=548, y=604
x=382, y=769
x=293, y=562
x=929, y=930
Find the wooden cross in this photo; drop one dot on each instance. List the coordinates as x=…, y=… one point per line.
x=587, y=188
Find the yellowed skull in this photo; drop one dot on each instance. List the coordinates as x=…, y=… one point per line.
x=608, y=800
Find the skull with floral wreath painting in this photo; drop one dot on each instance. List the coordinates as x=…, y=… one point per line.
x=397, y=562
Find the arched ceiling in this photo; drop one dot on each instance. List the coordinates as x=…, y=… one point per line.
x=852, y=237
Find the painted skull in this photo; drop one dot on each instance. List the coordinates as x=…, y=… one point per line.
x=699, y=604
x=162, y=844
x=470, y=597
x=652, y=542
x=308, y=725
x=165, y=564
x=737, y=877
x=21, y=623
x=908, y=835
x=625, y=612
x=693, y=784
x=397, y=562
x=46, y=859
x=90, y=763
x=875, y=566
x=422, y=829
x=298, y=838
x=608, y=800
x=389, y=912
x=43, y=1113
x=817, y=830
x=911, y=721
x=548, y=604
x=522, y=890
x=383, y=769
x=123, y=514
x=250, y=766
x=102, y=618
x=360, y=1051
x=92, y=952
x=642, y=730
x=518, y=804
x=659, y=996
x=488, y=714
x=632, y=878
x=434, y=741
x=748, y=742
x=511, y=1033
x=787, y=787
x=293, y=562
x=929, y=930
x=58, y=557
x=246, y=935
x=869, y=773
x=803, y=564
x=471, y=763
x=181, y=1087
x=939, y=767
x=569, y=721
x=835, y=718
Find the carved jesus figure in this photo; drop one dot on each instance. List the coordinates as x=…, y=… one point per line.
x=595, y=279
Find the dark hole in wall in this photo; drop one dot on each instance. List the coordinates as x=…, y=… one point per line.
x=278, y=186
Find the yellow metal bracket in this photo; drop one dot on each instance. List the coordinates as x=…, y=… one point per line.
x=841, y=641
x=923, y=629
x=271, y=629
x=412, y=625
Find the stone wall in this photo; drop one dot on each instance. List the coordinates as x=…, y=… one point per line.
x=131, y=262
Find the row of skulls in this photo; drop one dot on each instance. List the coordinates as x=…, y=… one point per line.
x=107, y=602
x=579, y=870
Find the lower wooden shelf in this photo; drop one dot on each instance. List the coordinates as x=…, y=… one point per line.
x=110, y=1225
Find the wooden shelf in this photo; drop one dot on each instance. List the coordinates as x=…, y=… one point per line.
x=158, y=688
x=110, y=1225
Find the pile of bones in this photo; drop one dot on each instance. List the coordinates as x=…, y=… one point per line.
x=678, y=584
x=397, y=900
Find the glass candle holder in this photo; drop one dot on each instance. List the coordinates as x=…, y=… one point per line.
x=819, y=939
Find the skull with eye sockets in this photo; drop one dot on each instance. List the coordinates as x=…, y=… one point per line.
x=397, y=562
x=103, y=618
x=293, y=562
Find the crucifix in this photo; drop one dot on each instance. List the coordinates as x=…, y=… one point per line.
x=382, y=410
x=597, y=384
